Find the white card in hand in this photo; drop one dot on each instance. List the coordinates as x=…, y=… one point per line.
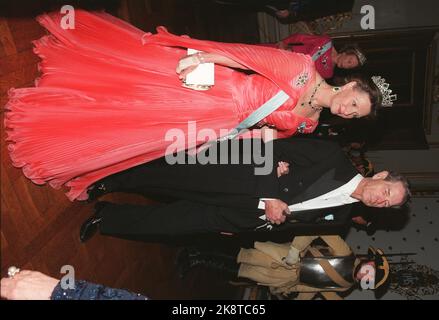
x=204, y=74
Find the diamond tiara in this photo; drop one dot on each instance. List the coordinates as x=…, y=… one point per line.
x=388, y=97
x=361, y=57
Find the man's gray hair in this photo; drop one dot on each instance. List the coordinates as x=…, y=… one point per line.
x=397, y=177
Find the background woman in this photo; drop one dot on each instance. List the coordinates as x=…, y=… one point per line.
x=326, y=56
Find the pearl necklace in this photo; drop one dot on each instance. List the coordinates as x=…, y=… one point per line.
x=312, y=97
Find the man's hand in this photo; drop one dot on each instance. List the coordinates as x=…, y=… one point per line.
x=276, y=211
x=283, y=168
x=28, y=285
x=359, y=220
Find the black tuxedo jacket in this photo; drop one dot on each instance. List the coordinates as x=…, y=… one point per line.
x=316, y=167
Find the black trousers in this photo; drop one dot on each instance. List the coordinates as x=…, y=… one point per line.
x=179, y=218
x=183, y=218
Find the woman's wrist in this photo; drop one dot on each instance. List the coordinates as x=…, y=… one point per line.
x=201, y=57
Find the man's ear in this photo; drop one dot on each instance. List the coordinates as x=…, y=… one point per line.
x=380, y=175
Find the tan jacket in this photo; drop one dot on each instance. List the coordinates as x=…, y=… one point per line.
x=265, y=265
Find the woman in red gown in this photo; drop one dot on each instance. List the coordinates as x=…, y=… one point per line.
x=109, y=93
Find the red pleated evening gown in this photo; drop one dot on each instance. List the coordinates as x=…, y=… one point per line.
x=108, y=93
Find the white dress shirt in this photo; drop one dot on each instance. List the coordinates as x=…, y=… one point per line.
x=334, y=198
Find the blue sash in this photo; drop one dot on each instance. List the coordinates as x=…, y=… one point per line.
x=322, y=51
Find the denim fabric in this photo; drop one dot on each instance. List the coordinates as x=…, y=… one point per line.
x=90, y=291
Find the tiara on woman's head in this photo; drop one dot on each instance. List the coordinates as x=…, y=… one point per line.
x=360, y=56
x=388, y=97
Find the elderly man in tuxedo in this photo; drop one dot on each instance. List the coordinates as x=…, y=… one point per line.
x=313, y=183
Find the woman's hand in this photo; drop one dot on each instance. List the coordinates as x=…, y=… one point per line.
x=186, y=65
x=283, y=168
x=190, y=62
x=28, y=285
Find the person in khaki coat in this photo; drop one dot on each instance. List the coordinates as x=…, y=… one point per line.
x=304, y=266
x=277, y=265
